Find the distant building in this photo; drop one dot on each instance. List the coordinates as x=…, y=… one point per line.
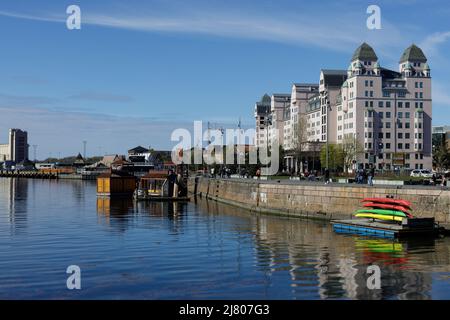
x=441, y=136
x=109, y=159
x=16, y=149
x=139, y=155
x=262, y=112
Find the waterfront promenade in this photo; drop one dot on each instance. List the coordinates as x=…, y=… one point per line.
x=316, y=200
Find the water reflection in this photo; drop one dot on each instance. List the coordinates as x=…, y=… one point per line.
x=336, y=265
x=201, y=249
x=123, y=213
x=13, y=202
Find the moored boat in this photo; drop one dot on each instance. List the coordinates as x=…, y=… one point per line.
x=398, y=202
x=383, y=212
x=375, y=205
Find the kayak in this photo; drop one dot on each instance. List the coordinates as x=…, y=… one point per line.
x=398, y=202
x=378, y=216
x=383, y=212
x=387, y=207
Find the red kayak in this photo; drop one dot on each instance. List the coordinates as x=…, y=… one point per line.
x=388, y=207
x=398, y=202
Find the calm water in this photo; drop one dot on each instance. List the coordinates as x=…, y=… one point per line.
x=194, y=251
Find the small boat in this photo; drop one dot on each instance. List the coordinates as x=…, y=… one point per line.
x=383, y=212
x=386, y=206
x=379, y=217
x=398, y=202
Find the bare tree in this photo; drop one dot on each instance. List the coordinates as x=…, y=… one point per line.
x=300, y=138
x=351, y=148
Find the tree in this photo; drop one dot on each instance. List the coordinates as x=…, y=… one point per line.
x=441, y=157
x=351, y=149
x=300, y=138
x=335, y=156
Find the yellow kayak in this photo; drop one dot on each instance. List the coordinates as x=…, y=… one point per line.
x=378, y=216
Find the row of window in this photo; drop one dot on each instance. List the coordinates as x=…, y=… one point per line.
x=400, y=146
x=381, y=114
x=387, y=135
x=387, y=156
x=400, y=104
x=387, y=125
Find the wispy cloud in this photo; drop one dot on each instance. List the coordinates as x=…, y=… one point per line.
x=441, y=94
x=324, y=29
x=101, y=97
x=26, y=100
x=60, y=131
x=430, y=43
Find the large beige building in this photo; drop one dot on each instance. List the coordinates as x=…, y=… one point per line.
x=386, y=115
x=17, y=147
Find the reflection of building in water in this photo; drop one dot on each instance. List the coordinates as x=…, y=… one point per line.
x=123, y=212
x=331, y=265
x=13, y=201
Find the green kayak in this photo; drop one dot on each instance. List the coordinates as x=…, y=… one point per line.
x=383, y=212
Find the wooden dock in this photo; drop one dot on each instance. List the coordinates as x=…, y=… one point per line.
x=415, y=227
x=28, y=174
x=161, y=198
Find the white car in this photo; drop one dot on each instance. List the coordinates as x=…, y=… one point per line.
x=415, y=173
x=425, y=173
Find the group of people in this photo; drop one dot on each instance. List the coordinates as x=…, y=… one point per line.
x=365, y=175
x=224, y=172
x=177, y=186
x=442, y=177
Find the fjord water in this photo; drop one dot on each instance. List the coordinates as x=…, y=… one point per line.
x=198, y=250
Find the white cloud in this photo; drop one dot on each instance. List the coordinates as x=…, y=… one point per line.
x=430, y=44
x=324, y=29
x=441, y=94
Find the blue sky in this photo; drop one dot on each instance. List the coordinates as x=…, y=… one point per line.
x=137, y=70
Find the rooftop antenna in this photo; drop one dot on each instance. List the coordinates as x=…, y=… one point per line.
x=84, y=148
x=209, y=133
x=34, y=152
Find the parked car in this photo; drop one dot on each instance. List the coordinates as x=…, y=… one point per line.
x=415, y=173
x=425, y=173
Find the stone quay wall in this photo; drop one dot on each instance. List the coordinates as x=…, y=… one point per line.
x=318, y=201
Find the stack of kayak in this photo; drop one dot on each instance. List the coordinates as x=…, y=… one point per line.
x=386, y=209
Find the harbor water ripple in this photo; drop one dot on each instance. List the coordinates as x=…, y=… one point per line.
x=196, y=250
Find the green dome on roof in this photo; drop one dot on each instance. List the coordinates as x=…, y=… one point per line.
x=349, y=67
x=359, y=65
x=377, y=65
x=413, y=53
x=408, y=66
x=426, y=67
x=345, y=84
x=364, y=52
x=266, y=99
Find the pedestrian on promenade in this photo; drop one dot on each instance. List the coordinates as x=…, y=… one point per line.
x=327, y=176
x=371, y=175
x=360, y=176
x=258, y=173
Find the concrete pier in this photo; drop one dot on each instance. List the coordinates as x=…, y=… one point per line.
x=316, y=200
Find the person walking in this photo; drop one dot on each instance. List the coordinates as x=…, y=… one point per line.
x=371, y=175
x=327, y=176
x=258, y=173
